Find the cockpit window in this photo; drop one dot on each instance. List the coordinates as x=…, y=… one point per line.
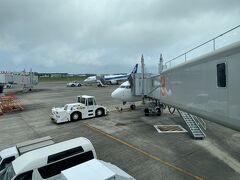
x=125, y=87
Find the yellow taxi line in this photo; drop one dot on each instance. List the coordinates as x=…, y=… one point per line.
x=144, y=152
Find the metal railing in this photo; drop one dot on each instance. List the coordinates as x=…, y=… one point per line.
x=200, y=122
x=213, y=40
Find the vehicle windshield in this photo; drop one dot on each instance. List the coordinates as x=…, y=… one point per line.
x=1, y=166
x=82, y=100
x=65, y=107
x=8, y=173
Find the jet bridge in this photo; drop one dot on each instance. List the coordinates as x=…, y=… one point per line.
x=144, y=86
x=149, y=86
x=206, y=87
x=25, y=79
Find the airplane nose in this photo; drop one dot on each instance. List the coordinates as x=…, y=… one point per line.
x=115, y=94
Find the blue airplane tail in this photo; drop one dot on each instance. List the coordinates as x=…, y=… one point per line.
x=134, y=71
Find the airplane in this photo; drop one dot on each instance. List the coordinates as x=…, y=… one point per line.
x=123, y=93
x=110, y=79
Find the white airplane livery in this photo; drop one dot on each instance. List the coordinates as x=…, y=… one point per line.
x=123, y=93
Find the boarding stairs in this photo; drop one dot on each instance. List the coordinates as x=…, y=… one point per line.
x=195, y=124
x=101, y=81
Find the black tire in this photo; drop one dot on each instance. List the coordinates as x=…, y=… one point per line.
x=146, y=111
x=158, y=112
x=72, y=85
x=132, y=107
x=1, y=88
x=75, y=116
x=79, y=85
x=99, y=112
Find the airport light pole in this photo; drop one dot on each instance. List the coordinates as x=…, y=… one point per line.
x=160, y=65
x=142, y=64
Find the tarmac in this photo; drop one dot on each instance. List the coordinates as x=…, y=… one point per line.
x=126, y=138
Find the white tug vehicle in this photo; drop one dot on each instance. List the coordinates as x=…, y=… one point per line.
x=85, y=107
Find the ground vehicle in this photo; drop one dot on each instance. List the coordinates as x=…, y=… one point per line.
x=85, y=107
x=153, y=108
x=74, y=84
x=48, y=162
x=95, y=169
x=10, y=154
x=8, y=86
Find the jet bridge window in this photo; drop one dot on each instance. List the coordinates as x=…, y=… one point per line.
x=221, y=75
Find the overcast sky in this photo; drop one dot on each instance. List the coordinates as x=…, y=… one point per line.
x=107, y=36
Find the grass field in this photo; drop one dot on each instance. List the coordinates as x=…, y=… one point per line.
x=52, y=79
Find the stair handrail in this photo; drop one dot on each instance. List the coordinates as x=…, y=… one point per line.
x=202, y=123
x=211, y=40
x=199, y=125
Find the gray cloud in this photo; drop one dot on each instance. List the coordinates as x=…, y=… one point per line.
x=105, y=36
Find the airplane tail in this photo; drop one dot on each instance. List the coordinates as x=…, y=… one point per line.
x=130, y=77
x=134, y=71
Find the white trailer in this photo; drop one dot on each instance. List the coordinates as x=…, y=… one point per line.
x=95, y=169
x=85, y=107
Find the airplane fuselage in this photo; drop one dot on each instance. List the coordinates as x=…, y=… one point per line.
x=123, y=93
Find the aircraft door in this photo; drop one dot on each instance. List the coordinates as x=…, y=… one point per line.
x=91, y=107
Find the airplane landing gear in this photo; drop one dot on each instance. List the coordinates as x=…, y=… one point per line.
x=153, y=108
x=133, y=107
